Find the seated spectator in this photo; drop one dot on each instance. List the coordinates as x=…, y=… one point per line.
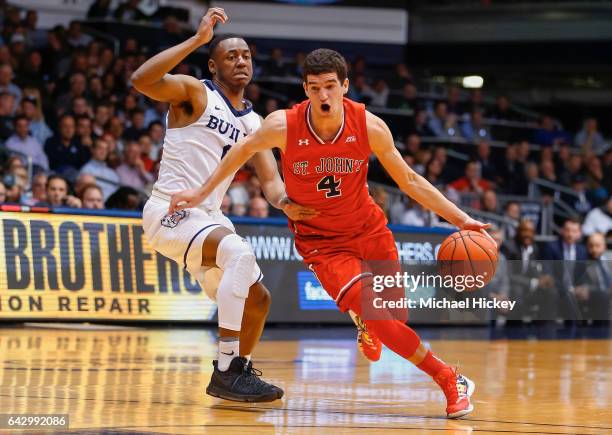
x=502, y=110
x=57, y=194
x=547, y=171
x=146, y=145
x=421, y=124
x=100, y=9
x=101, y=118
x=82, y=181
x=599, y=220
x=442, y=123
x=579, y=201
x=75, y=37
x=105, y=177
x=378, y=94
x=453, y=101
x=550, y=134
x=594, y=286
x=475, y=130
x=124, y=198
x=133, y=172
x=433, y=173
x=488, y=202
x=357, y=88
x=84, y=131
x=511, y=173
x=7, y=85
x=31, y=110
x=589, y=139
x=529, y=286
x=137, y=125
x=25, y=144
x=596, y=192
x=2, y=193
x=408, y=101
x=569, y=255
x=78, y=87
x=66, y=154
x=238, y=209
x=92, y=197
x=488, y=169
x=574, y=168
x=38, y=192
x=259, y=208
x=471, y=181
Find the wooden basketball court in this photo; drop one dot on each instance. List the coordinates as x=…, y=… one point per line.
x=152, y=381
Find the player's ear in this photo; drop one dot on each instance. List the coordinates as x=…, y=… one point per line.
x=305, y=88
x=212, y=67
x=345, y=86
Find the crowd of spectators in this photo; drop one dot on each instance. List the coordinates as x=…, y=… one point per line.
x=75, y=133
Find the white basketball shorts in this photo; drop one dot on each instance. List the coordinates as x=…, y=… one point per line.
x=180, y=237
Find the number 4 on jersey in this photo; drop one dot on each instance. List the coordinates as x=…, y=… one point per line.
x=330, y=185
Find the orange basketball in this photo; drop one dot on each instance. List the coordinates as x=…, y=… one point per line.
x=468, y=253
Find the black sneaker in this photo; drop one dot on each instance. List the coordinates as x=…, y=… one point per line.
x=241, y=383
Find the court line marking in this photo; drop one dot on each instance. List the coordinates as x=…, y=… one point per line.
x=263, y=408
x=294, y=426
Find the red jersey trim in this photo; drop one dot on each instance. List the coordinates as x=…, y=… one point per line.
x=315, y=135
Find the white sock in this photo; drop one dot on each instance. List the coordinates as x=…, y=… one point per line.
x=248, y=357
x=229, y=349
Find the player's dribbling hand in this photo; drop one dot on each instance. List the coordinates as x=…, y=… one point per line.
x=474, y=225
x=296, y=212
x=186, y=199
x=207, y=25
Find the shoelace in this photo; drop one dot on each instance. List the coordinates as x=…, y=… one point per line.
x=249, y=370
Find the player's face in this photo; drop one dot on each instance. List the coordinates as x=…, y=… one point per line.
x=325, y=92
x=232, y=63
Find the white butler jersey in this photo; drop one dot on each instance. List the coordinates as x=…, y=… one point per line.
x=191, y=153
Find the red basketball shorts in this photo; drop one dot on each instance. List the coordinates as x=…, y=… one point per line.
x=345, y=269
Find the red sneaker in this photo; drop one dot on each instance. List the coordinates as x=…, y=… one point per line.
x=458, y=389
x=369, y=345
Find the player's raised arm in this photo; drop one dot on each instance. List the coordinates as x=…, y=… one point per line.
x=152, y=78
x=411, y=183
x=272, y=133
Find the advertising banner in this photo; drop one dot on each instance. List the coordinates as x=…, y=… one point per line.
x=79, y=267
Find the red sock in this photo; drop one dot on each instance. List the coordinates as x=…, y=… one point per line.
x=431, y=364
x=396, y=335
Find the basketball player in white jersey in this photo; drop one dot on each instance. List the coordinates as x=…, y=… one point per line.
x=205, y=119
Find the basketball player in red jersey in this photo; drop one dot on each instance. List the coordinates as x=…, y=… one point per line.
x=326, y=142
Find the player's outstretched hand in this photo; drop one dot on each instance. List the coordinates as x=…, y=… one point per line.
x=474, y=225
x=186, y=199
x=207, y=25
x=296, y=212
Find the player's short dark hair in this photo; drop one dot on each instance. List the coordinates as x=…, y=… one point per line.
x=324, y=60
x=219, y=39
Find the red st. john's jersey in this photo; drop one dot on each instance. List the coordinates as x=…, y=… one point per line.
x=330, y=176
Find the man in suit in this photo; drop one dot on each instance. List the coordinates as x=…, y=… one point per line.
x=533, y=290
x=595, y=285
x=566, y=259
